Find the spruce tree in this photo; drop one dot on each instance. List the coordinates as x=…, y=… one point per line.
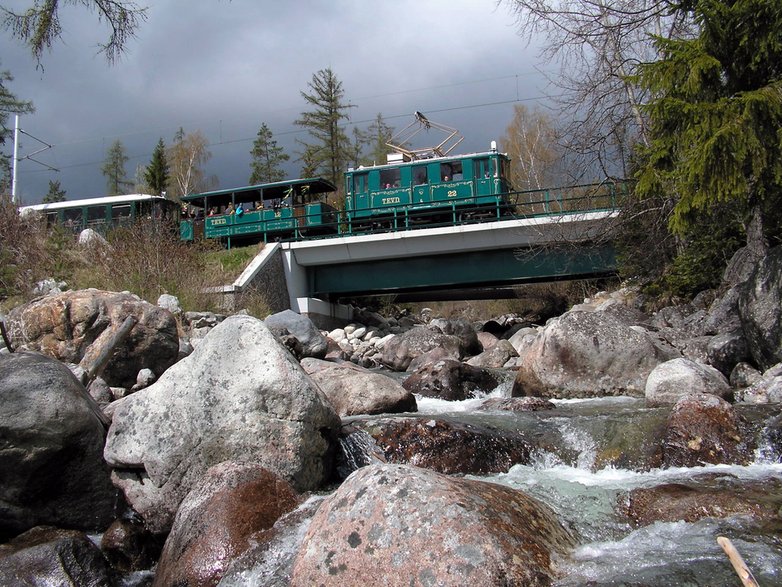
x=114, y=169
x=716, y=115
x=267, y=157
x=329, y=149
x=55, y=193
x=156, y=174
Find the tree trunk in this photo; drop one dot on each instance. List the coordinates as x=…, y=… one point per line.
x=756, y=238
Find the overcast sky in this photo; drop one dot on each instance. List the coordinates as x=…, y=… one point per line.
x=226, y=67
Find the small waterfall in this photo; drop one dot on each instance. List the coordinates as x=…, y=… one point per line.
x=357, y=449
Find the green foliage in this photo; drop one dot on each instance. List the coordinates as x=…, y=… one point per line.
x=329, y=149
x=113, y=169
x=55, y=193
x=716, y=112
x=156, y=173
x=709, y=246
x=39, y=25
x=10, y=104
x=375, y=138
x=267, y=157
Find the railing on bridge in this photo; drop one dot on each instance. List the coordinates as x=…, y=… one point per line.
x=305, y=225
x=604, y=196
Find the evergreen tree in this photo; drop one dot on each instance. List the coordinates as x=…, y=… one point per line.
x=378, y=134
x=9, y=104
x=266, y=158
x=156, y=174
x=55, y=193
x=114, y=169
x=716, y=114
x=329, y=150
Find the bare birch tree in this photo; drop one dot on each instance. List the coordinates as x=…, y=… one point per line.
x=530, y=140
x=597, y=45
x=187, y=157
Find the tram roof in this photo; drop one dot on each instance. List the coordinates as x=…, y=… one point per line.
x=278, y=189
x=424, y=160
x=102, y=201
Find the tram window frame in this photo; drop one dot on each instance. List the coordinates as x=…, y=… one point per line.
x=52, y=218
x=96, y=215
x=485, y=168
x=73, y=217
x=390, y=178
x=117, y=215
x=360, y=183
x=449, y=171
x=420, y=175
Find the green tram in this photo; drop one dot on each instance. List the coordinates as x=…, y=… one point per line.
x=274, y=211
x=437, y=190
x=101, y=214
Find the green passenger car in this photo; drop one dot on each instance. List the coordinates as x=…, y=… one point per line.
x=281, y=210
x=439, y=189
x=104, y=213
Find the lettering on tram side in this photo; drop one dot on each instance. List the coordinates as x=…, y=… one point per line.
x=451, y=193
x=394, y=200
x=218, y=221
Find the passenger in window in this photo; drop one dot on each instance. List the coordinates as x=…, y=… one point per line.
x=229, y=209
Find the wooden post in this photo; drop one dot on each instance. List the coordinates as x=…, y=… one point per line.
x=741, y=568
x=107, y=350
x=6, y=340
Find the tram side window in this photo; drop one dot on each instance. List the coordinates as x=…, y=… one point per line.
x=420, y=175
x=120, y=213
x=451, y=171
x=484, y=168
x=360, y=183
x=73, y=218
x=390, y=178
x=96, y=215
x=51, y=219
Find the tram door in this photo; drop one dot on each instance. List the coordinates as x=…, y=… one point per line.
x=484, y=170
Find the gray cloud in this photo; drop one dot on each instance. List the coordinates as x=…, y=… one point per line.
x=226, y=67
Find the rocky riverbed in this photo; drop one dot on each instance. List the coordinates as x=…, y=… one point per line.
x=143, y=445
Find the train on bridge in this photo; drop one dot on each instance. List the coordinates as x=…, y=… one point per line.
x=415, y=188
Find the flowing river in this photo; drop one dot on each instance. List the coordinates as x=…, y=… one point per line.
x=569, y=471
x=568, y=476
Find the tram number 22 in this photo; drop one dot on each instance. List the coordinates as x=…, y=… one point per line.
x=395, y=200
x=451, y=193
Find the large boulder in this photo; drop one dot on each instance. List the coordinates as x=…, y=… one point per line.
x=353, y=390
x=51, y=449
x=217, y=520
x=443, y=445
x=589, y=354
x=670, y=381
x=451, y=380
x=72, y=326
x=46, y=556
x=400, y=525
x=240, y=396
x=470, y=345
x=495, y=357
x=313, y=343
x=705, y=429
x=399, y=351
x=726, y=350
x=760, y=308
x=719, y=498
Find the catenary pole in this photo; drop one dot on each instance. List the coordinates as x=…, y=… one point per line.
x=16, y=158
